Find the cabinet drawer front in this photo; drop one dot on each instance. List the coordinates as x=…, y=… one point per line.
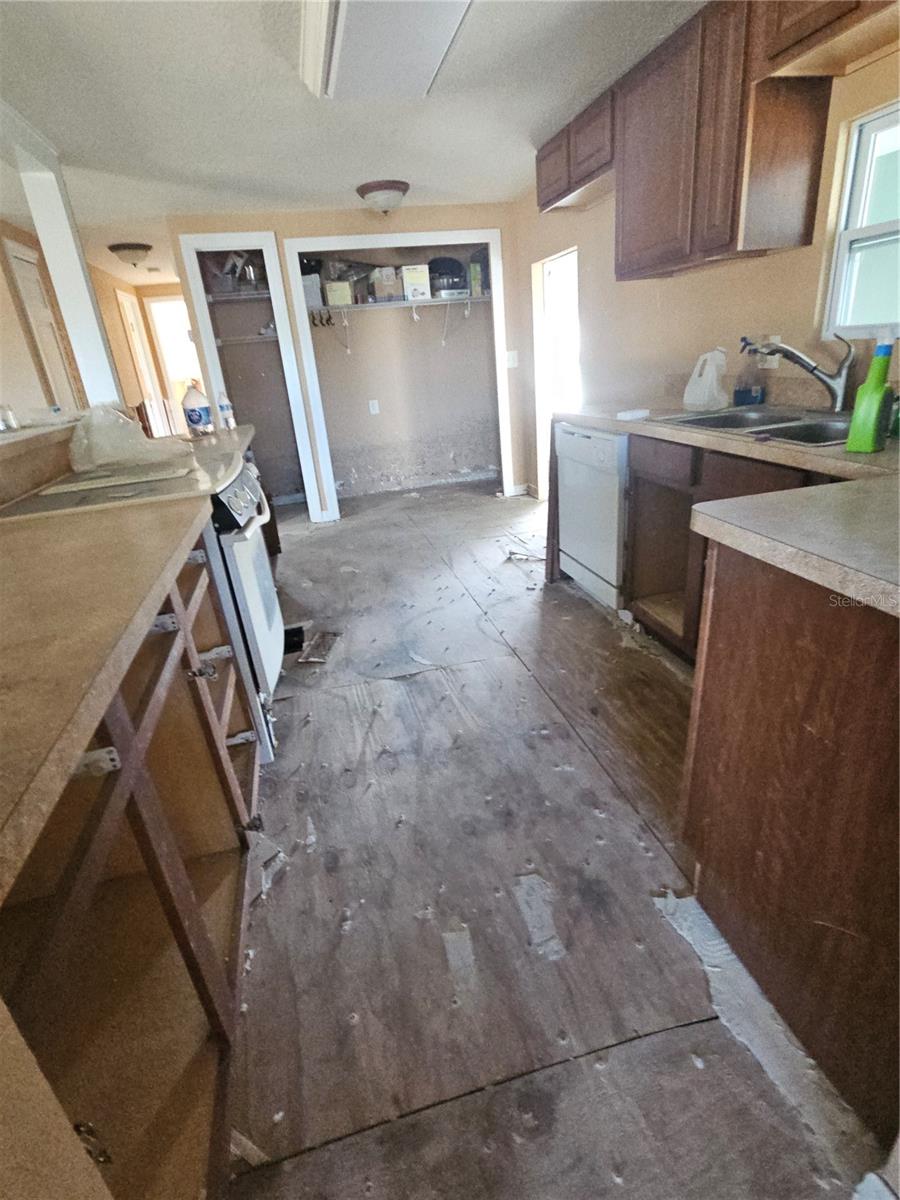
x=552, y=167
x=790, y=21
x=591, y=140
x=669, y=462
x=725, y=476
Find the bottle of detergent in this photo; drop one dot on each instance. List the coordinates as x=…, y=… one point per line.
x=196, y=410
x=704, y=388
x=872, y=407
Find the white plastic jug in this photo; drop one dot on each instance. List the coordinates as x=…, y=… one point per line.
x=704, y=388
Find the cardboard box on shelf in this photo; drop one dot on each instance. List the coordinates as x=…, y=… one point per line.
x=416, y=283
x=384, y=284
x=338, y=291
x=312, y=291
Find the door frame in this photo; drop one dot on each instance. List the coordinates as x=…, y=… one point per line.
x=141, y=351
x=321, y=504
x=13, y=249
x=295, y=246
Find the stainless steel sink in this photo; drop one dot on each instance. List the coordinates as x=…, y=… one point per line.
x=751, y=417
x=828, y=431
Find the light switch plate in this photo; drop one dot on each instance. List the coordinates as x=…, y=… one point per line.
x=512, y=359
x=373, y=408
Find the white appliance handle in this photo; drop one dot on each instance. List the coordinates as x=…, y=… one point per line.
x=255, y=522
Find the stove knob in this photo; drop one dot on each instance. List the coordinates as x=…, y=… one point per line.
x=235, y=503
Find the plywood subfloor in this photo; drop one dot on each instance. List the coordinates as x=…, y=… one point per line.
x=682, y=1115
x=474, y=795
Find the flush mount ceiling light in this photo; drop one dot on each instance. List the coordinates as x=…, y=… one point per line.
x=384, y=195
x=133, y=253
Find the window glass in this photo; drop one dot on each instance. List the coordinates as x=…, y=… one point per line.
x=883, y=199
x=871, y=291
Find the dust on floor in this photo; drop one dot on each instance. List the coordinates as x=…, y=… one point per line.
x=461, y=984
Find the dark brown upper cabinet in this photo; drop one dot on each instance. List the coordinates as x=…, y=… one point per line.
x=717, y=136
x=720, y=127
x=710, y=165
x=576, y=157
x=792, y=21
x=656, y=145
x=591, y=141
x=553, y=169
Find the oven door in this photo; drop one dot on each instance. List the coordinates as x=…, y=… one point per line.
x=256, y=598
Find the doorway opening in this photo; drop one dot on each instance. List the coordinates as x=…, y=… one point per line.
x=173, y=340
x=557, y=349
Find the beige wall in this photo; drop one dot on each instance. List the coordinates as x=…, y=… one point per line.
x=438, y=404
x=640, y=340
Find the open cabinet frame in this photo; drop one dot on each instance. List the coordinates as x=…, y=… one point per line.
x=294, y=247
x=321, y=497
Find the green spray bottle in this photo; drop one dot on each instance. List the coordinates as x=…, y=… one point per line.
x=872, y=406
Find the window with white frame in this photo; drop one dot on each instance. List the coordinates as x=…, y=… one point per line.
x=864, y=297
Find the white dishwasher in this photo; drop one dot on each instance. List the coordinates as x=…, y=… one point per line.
x=592, y=467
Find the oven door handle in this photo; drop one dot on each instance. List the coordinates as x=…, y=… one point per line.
x=256, y=522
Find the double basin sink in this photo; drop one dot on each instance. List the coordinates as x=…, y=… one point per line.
x=785, y=424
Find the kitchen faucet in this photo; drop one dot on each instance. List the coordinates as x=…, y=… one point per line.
x=834, y=381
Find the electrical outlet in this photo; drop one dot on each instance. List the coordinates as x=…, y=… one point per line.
x=373, y=408
x=769, y=362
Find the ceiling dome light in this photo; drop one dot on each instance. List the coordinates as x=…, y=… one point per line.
x=133, y=253
x=384, y=195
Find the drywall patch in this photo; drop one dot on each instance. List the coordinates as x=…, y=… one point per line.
x=745, y=1011
x=535, y=896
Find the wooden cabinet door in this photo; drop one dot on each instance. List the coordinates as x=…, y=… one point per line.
x=722, y=96
x=790, y=21
x=552, y=166
x=591, y=140
x=656, y=139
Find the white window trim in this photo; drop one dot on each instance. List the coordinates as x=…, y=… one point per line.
x=853, y=199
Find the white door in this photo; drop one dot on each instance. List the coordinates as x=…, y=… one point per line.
x=23, y=261
x=170, y=325
x=157, y=416
x=557, y=346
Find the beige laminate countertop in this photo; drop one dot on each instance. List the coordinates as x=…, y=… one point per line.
x=843, y=536
x=78, y=592
x=829, y=460
x=218, y=459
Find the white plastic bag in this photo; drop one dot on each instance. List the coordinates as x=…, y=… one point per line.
x=105, y=436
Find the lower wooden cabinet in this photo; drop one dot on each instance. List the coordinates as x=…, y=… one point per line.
x=791, y=799
x=664, y=559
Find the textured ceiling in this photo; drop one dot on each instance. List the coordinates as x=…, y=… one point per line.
x=172, y=107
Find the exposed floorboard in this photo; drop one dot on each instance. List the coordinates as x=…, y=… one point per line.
x=676, y=1116
x=473, y=793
